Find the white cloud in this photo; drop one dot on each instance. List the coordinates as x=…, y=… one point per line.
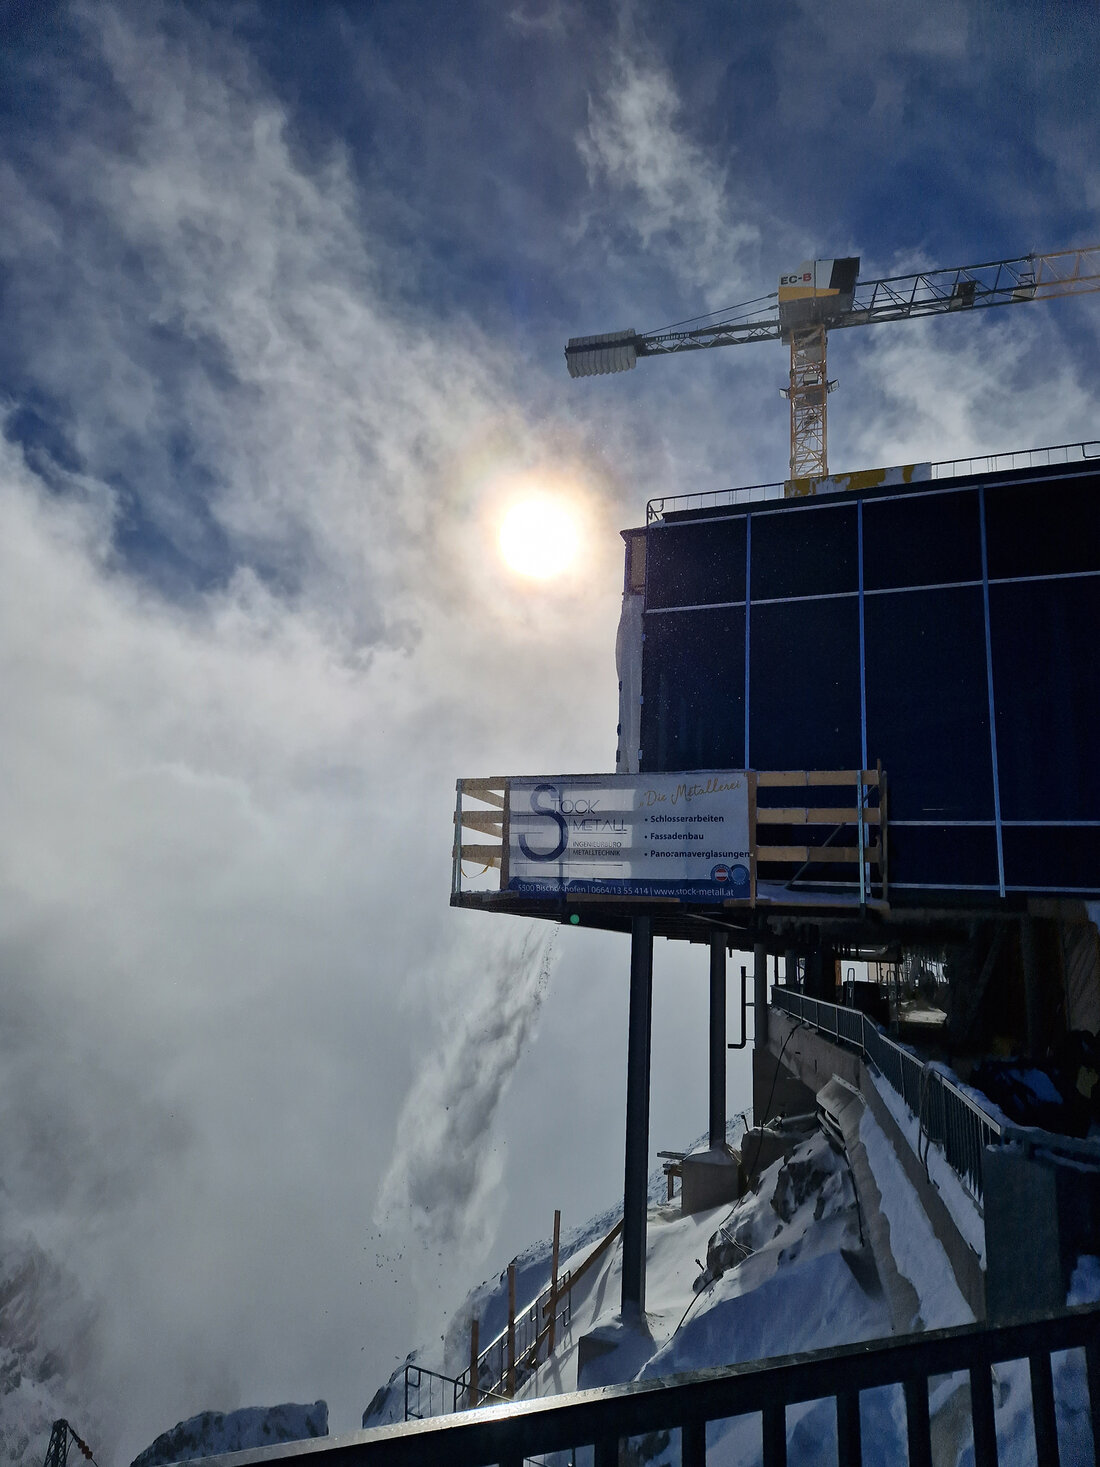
x=653, y=180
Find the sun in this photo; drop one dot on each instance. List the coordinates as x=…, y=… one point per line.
x=539, y=537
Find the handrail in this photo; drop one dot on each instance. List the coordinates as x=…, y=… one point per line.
x=604, y=1417
x=950, y=1116
x=948, y=468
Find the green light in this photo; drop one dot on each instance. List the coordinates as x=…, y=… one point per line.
x=575, y=918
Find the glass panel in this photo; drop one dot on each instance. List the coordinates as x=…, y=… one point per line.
x=1042, y=529
x=942, y=855
x=804, y=694
x=928, y=703
x=696, y=564
x=693, y=685
x=1046, y=856
x=1047, y=683
x=804, y=552
x=921, y=540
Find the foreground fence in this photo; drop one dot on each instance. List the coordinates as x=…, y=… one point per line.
x=592, y=1425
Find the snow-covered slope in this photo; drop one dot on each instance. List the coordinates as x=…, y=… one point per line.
x=213, y=1432
x=47, y=1341
x=785, y=1269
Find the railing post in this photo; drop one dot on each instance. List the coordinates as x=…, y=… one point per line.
x=510, y=1390
x=848, y=1431
x=760, y=994
x=774, y=1430
x=474, y=1382
x=1042, y=1409
x=718, y=1039
x=554, y=1284
x=981, y=1415
x=637, y=1115
x=918, y=1427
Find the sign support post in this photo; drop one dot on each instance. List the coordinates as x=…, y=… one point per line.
x=635, y=1201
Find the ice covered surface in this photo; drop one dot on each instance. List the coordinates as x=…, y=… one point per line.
x=213, y=1432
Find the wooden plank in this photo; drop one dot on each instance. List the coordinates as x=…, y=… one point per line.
x=779, y=778
x=831, y=855
x=580, y=1272
x=487, y=855
x=824, y=815
x=483, y=820
x=489, y=791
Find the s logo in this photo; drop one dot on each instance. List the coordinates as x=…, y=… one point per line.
x=551, y=814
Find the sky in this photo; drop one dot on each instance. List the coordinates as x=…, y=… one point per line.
x=284, y=292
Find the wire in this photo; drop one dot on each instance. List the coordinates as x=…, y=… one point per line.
x=724, y=310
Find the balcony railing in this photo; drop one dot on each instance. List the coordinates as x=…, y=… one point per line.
x=590, y=1426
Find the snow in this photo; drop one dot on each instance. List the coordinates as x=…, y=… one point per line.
x=213, y=1433
x=964, y=1210
x=782, y=1271
x=917, y=1251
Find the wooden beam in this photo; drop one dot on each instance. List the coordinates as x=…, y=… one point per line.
x=825, y=815
x=779, y=778
x=487, y=855
x=490, y=791
x=832, y=855
x=483, y=820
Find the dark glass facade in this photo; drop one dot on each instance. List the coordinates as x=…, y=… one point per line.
x=947, y=629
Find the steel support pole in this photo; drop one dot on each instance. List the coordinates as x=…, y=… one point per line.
x=637, y=1115
x=718, y=1039
x=760, y=993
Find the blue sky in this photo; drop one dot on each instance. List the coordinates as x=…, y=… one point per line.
x=285, y=290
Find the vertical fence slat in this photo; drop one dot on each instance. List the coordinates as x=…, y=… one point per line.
x=607, y=1452
x=693, y=1444
x=774, y=1429
x=917, y=1424
x=848, y=1432
x=1042, y=1409
x=1092, y=1372
x=981, y=1414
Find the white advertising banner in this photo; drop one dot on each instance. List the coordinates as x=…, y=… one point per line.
x=684, y=836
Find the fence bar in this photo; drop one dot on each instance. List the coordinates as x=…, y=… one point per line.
x=918, y=1427
x=981, y=1410
x=1042, y=1409
x=693, y=1444
x=774, y=1428
x=1092, y=1371
x=848, y=1434
x=607, y=1452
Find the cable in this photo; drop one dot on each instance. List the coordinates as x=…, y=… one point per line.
x=771, y=296
x=771, y=1093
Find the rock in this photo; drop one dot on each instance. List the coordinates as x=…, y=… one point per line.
x=213, y=1432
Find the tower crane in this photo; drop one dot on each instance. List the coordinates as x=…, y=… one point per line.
x=824, y=295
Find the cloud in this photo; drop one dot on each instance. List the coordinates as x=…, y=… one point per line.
x=662, y=187
x=250, y=633
x=444, y=1179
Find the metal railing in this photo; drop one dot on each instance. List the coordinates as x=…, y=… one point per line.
x=950, y=1117
x=600, y=1421
x=947, y=1115
x=949, y=468
x=430, y=1393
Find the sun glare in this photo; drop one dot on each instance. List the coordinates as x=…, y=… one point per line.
x=539, y=537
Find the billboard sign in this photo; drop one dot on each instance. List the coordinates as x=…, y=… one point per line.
x=685, y=836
